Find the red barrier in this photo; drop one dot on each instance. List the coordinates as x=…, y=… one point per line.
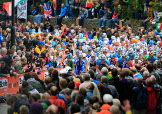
x=11, y=84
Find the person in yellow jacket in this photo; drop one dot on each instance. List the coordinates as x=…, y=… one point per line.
x=39, y=49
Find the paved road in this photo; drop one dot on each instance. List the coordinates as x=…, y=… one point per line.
x=3, y=108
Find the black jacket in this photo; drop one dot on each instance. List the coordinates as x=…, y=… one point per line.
x=6, y=59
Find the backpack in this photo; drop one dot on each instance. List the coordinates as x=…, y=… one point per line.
x=141, y=101
x=159, y=72
x=107, y=90
x=152, y=100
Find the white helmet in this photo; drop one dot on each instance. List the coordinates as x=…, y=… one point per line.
x=136, y=57
x=138, y=48
x=104, y=49
x=68, y=68
x=93, y=54
x=103, y=57
x=63, y=71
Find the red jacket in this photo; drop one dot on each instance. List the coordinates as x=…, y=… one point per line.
x=58, y=102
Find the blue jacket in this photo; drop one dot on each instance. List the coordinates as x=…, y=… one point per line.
x=63, y=11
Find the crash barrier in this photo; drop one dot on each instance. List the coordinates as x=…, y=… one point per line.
x=11, y=84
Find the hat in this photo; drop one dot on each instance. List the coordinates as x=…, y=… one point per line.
x=77, y=83
x=107, y=98
x=63, y=71
x=36, y=108
x=76, y=80
x=41, y=43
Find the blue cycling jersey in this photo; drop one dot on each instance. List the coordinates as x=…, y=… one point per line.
x=101, y=65
x=81, y=67
x=131, y=57
x=152, y=60
x=120, y=61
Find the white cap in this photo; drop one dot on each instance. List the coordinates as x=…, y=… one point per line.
x=63, y=71
x=107, y=98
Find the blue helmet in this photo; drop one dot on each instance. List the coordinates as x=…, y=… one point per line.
x=151, y=42
x=127, y=58
x=69, y=55
x=112, y=55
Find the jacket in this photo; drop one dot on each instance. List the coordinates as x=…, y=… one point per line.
x=35, y=84
x=83, y=13
x=62, y=93
x=135, y=92
x=6, y=59
x=115, y=82
x=38, y=51
x=95, y=91
x=89, y=93
x=58, y=102
x=19, y=102
x=111, y=89
x=63, y=11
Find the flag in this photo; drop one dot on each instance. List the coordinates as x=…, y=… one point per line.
x=8, y=7
x=89, y=4
x=47, y=12
x=158, y=26
x=17, y=2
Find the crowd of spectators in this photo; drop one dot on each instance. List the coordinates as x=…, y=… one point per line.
x=114, y=71
x=103, y=10
x=101, y=71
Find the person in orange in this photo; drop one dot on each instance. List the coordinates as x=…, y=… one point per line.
x=55, y=100
x=108, y=101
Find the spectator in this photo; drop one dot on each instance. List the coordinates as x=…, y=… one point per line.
x=139, y=97
x=55, y=100
x=62, y=14
x=34, y=83
x=86, y=79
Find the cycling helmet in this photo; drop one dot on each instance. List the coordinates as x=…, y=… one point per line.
x=72, y=31
x=96, y=41
x=151, y=48
x=130, y=50
x=127, y=58
x=80, y=41
x=103, y=57
x=137, y=48
x=104, y=49
x=93, y=46
x=151, y=53
x=69, y=55
x=92, y=41
x=113, y=42
x=136, y=57
x=145, y=49
x=151, y=42
x=77, y=51
x=99, y=56
x=123, y=55
x=93, y=54
x=112, y=55
x=119, y=49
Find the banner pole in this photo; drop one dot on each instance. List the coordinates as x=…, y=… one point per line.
x=13, y=24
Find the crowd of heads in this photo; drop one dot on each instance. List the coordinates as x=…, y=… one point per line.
x=95, y=71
